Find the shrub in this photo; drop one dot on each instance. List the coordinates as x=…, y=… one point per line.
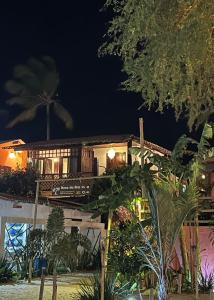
x=19, y=182
x=114, y=288
x=206, y=282
x=6, y=271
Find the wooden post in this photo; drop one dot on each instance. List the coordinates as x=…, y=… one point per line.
x=129, y=156
x=179, y=283
x=36, y=205
x=102, y=271
x=48, y=121
x=141, y=126
x=110, y=216
x=54, y=293
x=197, y=253
x=151, y=292
x=42, y=284
x=184, y=255
x=34, y=227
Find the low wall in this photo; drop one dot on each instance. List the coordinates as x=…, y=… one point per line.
x=18, y=212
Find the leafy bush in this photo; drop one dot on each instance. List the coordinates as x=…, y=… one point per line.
x=19, y=182
x=124, y=257
x=6, y=271
x=206, y=282
x=114, y=288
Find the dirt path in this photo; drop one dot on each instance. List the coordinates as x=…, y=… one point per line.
x=67, y=287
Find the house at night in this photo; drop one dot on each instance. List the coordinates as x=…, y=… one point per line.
x=87, y=156
x=67, y=169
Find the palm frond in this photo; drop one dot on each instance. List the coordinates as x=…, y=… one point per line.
x=26, y=115
x=63, y=114
x=25, y=102
x=13, y=87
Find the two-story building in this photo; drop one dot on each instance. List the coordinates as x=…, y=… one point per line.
x=66, y=169
x=84, y=156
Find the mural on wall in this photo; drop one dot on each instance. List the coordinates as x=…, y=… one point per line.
x=15, y=236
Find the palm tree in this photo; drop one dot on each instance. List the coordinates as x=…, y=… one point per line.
x=170, y=205
x=35, y=85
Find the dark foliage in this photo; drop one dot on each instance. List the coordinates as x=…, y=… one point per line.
x=114, y=288
x=124, y=257
x=206, y=282
x=6, y=271
x=19, y=182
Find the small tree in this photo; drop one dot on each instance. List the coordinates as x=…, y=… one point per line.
x=172, y=195
x=54, y=235
x=167, y=52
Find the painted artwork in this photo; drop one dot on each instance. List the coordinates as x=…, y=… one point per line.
x=15, y=236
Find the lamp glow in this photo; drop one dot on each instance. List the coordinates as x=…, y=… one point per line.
x=203, y=176
x=111, y=153
x=12, y=155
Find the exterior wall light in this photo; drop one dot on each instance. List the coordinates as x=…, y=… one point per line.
x=111, y=153
x=203, y=176
x=12, y=155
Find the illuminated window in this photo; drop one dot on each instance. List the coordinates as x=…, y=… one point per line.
x=50, y=153
x=65, y=166
x=41, y=166
x=119, y=160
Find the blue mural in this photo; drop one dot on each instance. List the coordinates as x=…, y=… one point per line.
x=15, y=236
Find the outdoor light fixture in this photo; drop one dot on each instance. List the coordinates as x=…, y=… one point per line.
x=203, y=176
x=111, y=153
x=12, y=155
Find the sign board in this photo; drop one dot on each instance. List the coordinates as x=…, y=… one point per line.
x=72, y=189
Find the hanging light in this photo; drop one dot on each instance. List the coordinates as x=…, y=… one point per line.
x=111, y=153
x=12, y=155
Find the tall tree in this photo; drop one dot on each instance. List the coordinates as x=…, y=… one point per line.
x=167, y=52
x=35, y=85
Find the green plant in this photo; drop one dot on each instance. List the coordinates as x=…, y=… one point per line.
x=123, y=255
x=155, y=41
x=66, y=250
x=114, y=288
x=206, y=281
x=6, y=271
x=19, y=182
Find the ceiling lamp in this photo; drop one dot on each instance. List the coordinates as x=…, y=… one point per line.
x=12, y=155
x=111, y=153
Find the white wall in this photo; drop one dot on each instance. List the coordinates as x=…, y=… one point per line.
x=101, y=152
x=24, y=214
x=27, y=210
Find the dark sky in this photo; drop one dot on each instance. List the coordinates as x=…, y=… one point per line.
x=71, y=32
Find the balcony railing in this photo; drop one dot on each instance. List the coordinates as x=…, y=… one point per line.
x=65, y=175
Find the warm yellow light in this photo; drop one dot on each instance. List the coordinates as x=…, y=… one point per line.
x=203, y=176
x=111, y=153
x=12, y=155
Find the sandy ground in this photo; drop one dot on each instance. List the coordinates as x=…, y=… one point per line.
x=67, y=287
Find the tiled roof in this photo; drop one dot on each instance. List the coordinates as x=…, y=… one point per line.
x=89, y=141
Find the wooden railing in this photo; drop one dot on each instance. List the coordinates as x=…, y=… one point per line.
x=4, y=169
x=65, y=175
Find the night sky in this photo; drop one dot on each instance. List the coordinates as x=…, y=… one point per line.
x=71, y=32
